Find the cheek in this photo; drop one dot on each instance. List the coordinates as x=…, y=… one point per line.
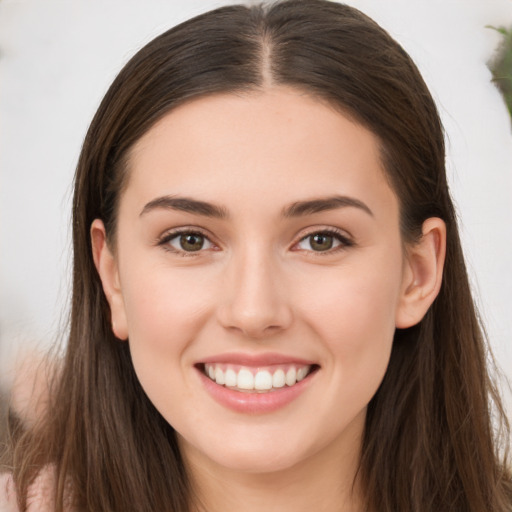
x=165, y=311
x=354, y=318
x=353, y=311
x=165, y=303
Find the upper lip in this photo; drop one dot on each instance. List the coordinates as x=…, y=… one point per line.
x=254, y=360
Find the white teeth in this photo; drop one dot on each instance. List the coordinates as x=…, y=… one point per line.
x=219, y=376
x=263, y=380
x=250, y=379
x=291, y=376
x=245, y=380
x=278, y=379
x=230, y=379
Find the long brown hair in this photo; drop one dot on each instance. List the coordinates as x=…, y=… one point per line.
x=429, y=443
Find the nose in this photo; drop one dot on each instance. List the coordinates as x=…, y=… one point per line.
x=255, y=299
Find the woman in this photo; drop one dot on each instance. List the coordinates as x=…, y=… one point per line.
x=270, y=304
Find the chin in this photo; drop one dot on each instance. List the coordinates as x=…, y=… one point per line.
x=247, y=453
x=257, y=462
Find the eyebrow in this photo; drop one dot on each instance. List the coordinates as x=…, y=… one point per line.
x=297, y=209
x=186, y=204
x=309, y=207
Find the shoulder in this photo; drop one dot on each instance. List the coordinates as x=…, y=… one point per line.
x=40, y=493
x=39, y=496
x=7, y=494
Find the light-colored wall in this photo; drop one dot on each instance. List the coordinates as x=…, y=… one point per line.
x=57, y=59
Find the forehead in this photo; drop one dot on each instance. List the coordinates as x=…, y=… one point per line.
x=274, y=144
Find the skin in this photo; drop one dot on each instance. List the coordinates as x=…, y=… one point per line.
x=259, y=286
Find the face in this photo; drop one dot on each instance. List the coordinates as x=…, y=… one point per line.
x=258, y=276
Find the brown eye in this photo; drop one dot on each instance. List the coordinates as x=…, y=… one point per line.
x=324, y=241
x=188, y=242
x=321, y=241
x=191, y=242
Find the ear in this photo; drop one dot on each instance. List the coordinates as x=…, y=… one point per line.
x=107, y=268
x=423, y=274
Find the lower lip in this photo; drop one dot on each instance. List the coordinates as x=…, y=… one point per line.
x=254, y=403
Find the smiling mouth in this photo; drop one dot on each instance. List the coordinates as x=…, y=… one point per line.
x=248, y=379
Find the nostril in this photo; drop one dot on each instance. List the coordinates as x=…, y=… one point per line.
x=255, y=302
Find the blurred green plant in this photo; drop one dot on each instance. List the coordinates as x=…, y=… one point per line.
x=501, y=65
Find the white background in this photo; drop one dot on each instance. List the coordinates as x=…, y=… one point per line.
x=57, y=59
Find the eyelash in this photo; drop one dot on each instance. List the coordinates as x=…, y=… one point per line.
x=344, y=241
x=166, y=238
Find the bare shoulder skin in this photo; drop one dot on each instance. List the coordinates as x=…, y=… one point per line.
x=40, y=494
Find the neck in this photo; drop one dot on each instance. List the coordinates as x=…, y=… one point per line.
x=324, y=482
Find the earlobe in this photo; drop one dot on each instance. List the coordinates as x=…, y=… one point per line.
x=423, y=274
x=107, y=268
